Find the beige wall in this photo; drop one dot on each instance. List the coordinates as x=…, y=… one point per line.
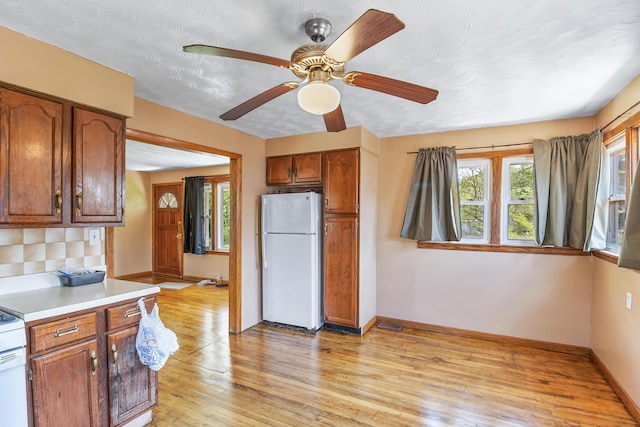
x=35, y=65
x=540, y=297
x=132, y=243
x=318, y=141
x=154, y=118
x=616, y=330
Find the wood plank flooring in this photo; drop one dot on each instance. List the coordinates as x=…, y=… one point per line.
x=279, y=376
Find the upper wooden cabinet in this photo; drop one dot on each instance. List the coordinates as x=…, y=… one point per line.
x=98, y=167
x=57, y=169
x=31, y=161
x=295, y=169
x=341, y=182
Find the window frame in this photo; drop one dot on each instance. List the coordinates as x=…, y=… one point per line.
x=615, y=145
x=630, y=129
x=495, y=245
x=216, y=181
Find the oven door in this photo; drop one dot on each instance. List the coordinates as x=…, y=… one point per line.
x=13, y=388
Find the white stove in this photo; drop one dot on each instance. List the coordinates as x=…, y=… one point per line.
x=13, y=393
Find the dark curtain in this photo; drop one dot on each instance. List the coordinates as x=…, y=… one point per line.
x=433, y=208
x=193, y=212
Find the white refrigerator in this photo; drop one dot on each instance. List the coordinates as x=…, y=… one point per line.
x=291, y=267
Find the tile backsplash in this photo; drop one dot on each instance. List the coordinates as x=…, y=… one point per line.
x=41, y=250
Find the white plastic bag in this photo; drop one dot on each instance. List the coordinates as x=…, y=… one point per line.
x=154, y=342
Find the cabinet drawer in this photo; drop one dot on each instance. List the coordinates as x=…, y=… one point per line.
x=54, y=334
x=126, y=314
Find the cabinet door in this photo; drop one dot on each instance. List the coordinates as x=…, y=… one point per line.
x=307, y=168
x=65, y=386
x=340, y=271
x=98, y=173
x=30, y=159
x=132, y=386
x=279, y=170
x=341, y=180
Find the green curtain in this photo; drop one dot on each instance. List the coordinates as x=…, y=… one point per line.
x=570, y=191
x=629, y=256
x=433, y=208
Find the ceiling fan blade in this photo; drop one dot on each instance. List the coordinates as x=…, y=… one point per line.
x=334, y=121
x=398, y=88
x=237, y=54
x=371, y=28
x=258, y=100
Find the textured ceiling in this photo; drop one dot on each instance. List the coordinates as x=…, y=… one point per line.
x=494, y=61
x=153, y=158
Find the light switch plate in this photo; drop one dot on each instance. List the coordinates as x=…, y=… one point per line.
x=94, y=237
x=629, y=300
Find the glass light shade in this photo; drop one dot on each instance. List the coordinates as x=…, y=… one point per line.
x=318, y=98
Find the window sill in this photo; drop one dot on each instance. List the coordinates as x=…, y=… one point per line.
x=545, y=250
x=607, y=256
x=217, y=252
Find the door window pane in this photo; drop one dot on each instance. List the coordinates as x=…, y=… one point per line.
x=168, y=200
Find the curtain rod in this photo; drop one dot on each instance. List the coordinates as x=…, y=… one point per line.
x=620, y=115
x=486, y=146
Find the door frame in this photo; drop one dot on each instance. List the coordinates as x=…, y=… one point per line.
x=235, y=246
x=180, y=225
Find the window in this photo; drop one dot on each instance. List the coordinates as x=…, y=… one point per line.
x=617, y=193
x=217, y=214
x=475, y=208
x=517, y=201
x=512, y=220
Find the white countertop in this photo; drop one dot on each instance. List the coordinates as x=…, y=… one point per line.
x=52, y=301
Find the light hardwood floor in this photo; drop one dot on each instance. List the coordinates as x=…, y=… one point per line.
x=282, y=376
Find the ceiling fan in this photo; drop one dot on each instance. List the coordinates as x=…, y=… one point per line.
x=317, y=64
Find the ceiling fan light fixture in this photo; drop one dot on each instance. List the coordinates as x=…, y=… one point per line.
x=318, y=98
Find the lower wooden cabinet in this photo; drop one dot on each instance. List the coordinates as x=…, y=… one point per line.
x=85, y=370
x=132, y=386
x=65, y=386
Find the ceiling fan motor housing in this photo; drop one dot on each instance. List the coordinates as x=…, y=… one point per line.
x=318, y=29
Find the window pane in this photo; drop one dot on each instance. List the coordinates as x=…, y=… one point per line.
x=617, y=216
x=168, y=200
x=223, y=216
x=471, y=183
x=520, y=222
x=472, y=219
x=226, y=217
x=618, y=173
x=521, y=181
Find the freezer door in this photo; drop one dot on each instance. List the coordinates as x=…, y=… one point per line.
x=291, y=292
x=291, y=213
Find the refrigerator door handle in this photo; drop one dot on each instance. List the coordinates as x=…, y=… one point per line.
x=263, y=244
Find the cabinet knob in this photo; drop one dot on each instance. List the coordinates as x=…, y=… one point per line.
x=94, y=360
x=58, y=200
x=114, y=363
x=79, y=200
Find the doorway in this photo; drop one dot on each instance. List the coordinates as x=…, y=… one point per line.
x=167, y=229
x=235, y=248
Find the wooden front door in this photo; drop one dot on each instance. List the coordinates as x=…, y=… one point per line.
x=167, y=229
